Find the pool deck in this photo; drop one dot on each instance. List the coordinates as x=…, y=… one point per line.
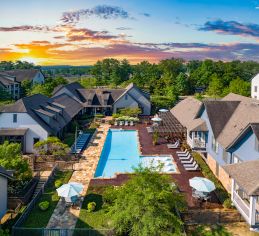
x=147, y=148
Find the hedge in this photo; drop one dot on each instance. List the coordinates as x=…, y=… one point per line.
x=220, y=191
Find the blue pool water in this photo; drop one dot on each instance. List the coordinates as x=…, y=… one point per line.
x=121, y=153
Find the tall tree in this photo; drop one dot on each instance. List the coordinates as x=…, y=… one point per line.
x=215, y=88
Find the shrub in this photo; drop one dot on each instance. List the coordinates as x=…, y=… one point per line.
x=99, y=116
x=94, y=126
x=44, y=205
x=91, y=206
x=58, y=183
x=227, y=203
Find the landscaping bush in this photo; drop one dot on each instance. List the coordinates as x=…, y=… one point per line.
x=58, y=183
x=94, y=126
x=220, y=191
x=227, y=203
x=44, y=205
x=91, y=206
x=99, y=116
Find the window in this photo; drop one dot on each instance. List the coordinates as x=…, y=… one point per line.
x=215, y=145
x=126, y=97
x=35, y=140
x=236, y=159
x=256, y=145
x=14, y=118
x=255, y=89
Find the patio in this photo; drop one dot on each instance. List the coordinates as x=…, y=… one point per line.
x=182, y=178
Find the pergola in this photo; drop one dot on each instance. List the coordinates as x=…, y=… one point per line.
x=170, y=126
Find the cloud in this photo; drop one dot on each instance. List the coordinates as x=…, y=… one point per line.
x=257, y=7
x=123, y=28
x=231, y=28
x=101, y=11
x=31, y=28
x=83, y=34
x=146, y=14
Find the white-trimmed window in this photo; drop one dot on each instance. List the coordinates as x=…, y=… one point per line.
x=215, y=145
x=14, y=118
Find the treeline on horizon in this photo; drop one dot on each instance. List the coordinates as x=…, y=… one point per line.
x=165, y=80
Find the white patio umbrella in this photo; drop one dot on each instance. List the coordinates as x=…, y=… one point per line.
x=156, y=119
x=70, y=190
x=202, y=184
x=163, y=110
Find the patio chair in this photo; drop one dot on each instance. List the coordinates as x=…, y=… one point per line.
x=185, y=158
x=196, y=167
x=116, y=123
x=121, y=123
x=174, y=145
x=182, y=152
x=126, y=123
x=183, y=155
x=187, y=161
x=191, y=164
x=131, y=123
x=149, y=130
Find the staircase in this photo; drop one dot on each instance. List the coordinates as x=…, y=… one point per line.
x=43, y=178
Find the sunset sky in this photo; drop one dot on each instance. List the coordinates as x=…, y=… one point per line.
x=80, y=32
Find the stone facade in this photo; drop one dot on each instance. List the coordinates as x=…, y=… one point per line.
x=221, y=175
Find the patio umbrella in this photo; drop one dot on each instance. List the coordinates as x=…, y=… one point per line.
x=163, y=110
x=202, y=184
x=70, y=190
x=156, y=119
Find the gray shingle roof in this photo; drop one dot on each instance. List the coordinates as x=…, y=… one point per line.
x=246, y=175
x=186, y=110
x=20, y=75
x=39, y=104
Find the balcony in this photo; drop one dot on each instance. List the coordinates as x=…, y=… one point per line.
x=196, y=143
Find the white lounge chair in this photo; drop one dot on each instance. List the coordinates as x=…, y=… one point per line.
x=116, y=123
x=174, y=145
x=185, y=158
x=149, y=130
x=187, y=161
x=196, y=167
x=121, y=123
x=131, y=123
x=183, y=155
x=182, y=152
x=190, y=165
x=126, y=123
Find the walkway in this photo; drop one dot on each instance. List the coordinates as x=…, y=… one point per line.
x=66, y=218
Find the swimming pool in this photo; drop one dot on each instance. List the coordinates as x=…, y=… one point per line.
x=120, y=154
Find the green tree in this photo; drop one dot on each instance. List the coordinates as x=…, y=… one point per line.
x=11, y=159
x=51, y=146
x=26, y=86
x=238, y=86
x=215, y=88
x=146, y=205
x=182, y=85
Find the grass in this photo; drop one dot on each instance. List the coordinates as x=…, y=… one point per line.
x=220, y=191
x=97, y=219
x=38, y=218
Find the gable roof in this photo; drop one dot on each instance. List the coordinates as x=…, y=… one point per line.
x=38, y=104
x=219, y=113
x=185, y=112
x=246, y=175
x=22, y=74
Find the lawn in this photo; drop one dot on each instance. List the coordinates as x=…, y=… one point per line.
x=208, y=230
x=97, y=219
x=39, y=218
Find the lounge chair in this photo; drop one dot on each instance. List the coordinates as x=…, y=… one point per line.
x=187, y=161
x=185, y=158
x=183, y=155
x=182, y=152
x=116, y=123
x=121, y=123
x=190, y=165
x=174, y=145
x=149, y=130
x=126, y=123
x=196, y=167
x=131, y=123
